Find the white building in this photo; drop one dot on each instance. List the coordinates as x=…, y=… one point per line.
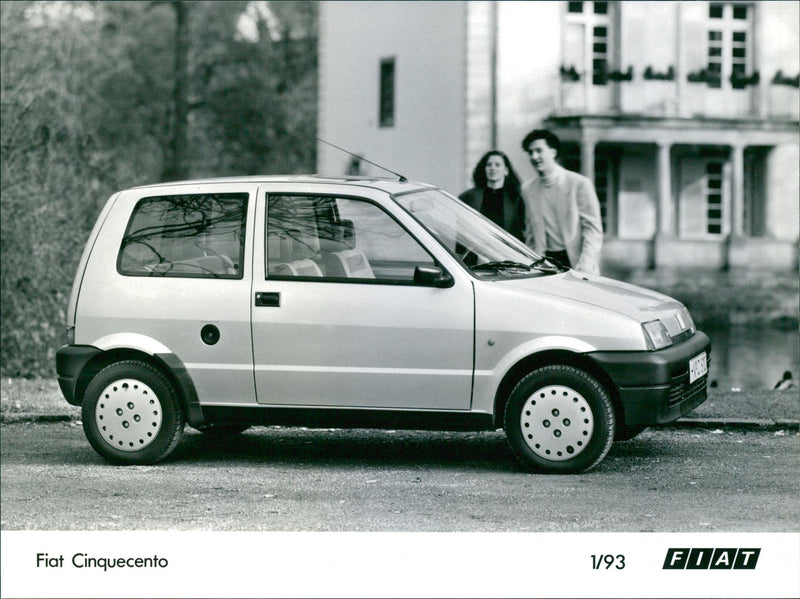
x=685, y=114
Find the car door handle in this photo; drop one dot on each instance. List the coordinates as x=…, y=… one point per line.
x=268, y=299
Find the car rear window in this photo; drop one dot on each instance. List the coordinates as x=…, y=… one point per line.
x=195, y=236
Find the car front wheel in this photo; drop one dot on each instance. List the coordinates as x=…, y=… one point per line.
x=559, y=419
x=131, y=413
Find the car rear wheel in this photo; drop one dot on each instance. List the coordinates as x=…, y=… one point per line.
x=131, y=413
x=559, y=419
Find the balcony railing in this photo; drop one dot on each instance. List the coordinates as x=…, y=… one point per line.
x=660, y=91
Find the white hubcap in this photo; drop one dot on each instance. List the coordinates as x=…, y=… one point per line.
x=128, y=415
x=556, y=423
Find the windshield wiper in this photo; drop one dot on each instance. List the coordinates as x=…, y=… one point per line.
x=501, y=264
x=548, y=264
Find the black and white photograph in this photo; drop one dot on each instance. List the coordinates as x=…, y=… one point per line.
x=400, y=299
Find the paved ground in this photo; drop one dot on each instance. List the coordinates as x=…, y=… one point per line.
x=728, y=465
x=278, y=479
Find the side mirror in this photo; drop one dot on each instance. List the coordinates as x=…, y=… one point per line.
x=432, y=276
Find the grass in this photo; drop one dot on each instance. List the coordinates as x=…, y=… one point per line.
x=33, y=396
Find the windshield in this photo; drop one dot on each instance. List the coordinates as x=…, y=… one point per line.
x=485, y=249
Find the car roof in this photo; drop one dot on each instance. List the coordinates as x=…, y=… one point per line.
x=389, y=185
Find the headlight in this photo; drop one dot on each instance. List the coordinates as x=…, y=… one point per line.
x=655, y=333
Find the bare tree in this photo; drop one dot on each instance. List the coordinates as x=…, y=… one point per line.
x=177, y=162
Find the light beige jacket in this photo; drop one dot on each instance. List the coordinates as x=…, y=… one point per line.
x=578, y=215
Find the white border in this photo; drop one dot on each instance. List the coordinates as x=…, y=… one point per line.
x=291, y=564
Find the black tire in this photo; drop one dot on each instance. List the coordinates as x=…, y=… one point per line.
x=626, y=433
x=559, y=419
x=222, y=430
x=131, y=413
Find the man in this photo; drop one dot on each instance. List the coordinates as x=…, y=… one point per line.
x=563, y=213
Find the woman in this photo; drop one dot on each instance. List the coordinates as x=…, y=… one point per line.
x=496, y=193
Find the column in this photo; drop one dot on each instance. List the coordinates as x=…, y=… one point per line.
x=666, y=225
x=587, y=157
x=737, y=190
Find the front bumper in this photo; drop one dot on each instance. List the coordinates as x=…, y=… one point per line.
x=654, y=386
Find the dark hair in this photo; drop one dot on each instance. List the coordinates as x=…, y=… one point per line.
x=479, y=174
x=551, y=139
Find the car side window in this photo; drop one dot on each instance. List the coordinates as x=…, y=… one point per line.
x=195, y=236
x=339, y=239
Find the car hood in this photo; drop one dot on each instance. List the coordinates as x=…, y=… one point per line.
x=637, y=302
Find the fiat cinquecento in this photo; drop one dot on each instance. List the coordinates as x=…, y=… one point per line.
x=357, y=302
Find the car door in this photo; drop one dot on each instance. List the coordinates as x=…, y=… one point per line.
x=338, y=320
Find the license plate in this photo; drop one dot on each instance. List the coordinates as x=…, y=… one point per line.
x=698, y=366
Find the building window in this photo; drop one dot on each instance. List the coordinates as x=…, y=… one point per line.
x=739, y=58
x=715, y=59
x=600, y=55
x=598, y=8
x=729, y=45
x=387, y=93
x=589, y=43
x=714, y=176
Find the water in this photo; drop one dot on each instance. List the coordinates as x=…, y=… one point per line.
x=749, y=358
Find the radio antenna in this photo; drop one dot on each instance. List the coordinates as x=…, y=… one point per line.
x=398, y=175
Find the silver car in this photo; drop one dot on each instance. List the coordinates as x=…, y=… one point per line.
x=354, y=302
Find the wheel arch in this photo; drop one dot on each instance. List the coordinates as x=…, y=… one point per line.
x=169, y=364
x=544, y=358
